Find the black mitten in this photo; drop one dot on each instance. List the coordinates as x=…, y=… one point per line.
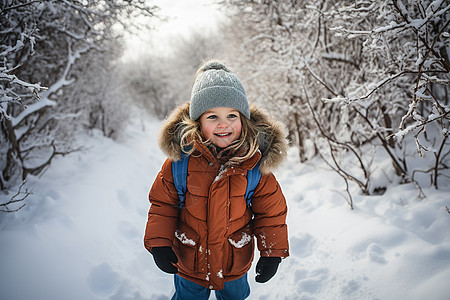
x=266, y=268
x=165, y=258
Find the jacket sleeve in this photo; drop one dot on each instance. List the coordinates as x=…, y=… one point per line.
x=163, y=212
x=270, y=211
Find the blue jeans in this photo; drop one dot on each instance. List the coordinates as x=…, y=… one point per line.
x=233, y=290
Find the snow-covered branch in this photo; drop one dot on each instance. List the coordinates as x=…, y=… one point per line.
x=371, y=68
x=17, y=198
x=418, y=124
x=370, y=90
x=43, y=49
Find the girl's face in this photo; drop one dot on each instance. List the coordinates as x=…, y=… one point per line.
x=221, y=125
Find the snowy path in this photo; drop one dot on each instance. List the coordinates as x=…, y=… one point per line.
x=80, y=236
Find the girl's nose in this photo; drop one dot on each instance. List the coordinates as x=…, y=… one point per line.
x=223, y=124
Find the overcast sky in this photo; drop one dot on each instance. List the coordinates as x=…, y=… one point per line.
x=182, y=17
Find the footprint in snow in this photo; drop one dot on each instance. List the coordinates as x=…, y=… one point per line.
x=128, y=231
x=302, y=245
x=123, y=198
x=376, y=253
x=104, y=281
x=355, y=288
x=310, y=282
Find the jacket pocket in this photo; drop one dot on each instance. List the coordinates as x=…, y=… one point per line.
x=240, y=250
x=186, y=244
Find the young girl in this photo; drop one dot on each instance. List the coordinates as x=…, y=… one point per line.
x=208, y=242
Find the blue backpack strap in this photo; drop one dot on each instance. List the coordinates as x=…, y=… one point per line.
x=253, y=177
x=179, y=173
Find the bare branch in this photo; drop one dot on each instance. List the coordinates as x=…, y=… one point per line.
x=429, y=47
x=19, y=6
x=320, y=80
x=18, y=197
x=437, y=159
x=337, y=167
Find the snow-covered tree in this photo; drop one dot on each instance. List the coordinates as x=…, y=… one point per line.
x=351, y=73
x=43, y=48
x=404, y=81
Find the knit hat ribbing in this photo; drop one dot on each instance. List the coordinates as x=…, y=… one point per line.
x=216, y=86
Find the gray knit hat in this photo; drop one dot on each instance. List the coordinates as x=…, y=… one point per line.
x=216, y=86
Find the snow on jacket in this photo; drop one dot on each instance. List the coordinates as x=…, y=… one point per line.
x=212, y=235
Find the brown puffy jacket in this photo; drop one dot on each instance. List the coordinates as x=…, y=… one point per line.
x=212, y=235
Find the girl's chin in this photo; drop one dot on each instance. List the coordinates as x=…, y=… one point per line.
x=221, y=144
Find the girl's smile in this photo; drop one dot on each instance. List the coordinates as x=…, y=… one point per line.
x=221, y=125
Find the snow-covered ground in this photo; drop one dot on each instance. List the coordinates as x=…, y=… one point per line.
x=80, y=235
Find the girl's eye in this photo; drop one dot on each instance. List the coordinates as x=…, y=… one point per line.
x=232, y=116
x=212, y=117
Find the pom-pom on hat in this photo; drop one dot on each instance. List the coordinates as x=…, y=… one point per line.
x=216, y=86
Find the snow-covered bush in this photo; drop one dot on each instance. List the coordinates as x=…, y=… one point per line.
x=404, y=84
x=353, y=77
x=47, y=49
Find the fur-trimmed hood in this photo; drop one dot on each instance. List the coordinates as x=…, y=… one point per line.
x=272, y=142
